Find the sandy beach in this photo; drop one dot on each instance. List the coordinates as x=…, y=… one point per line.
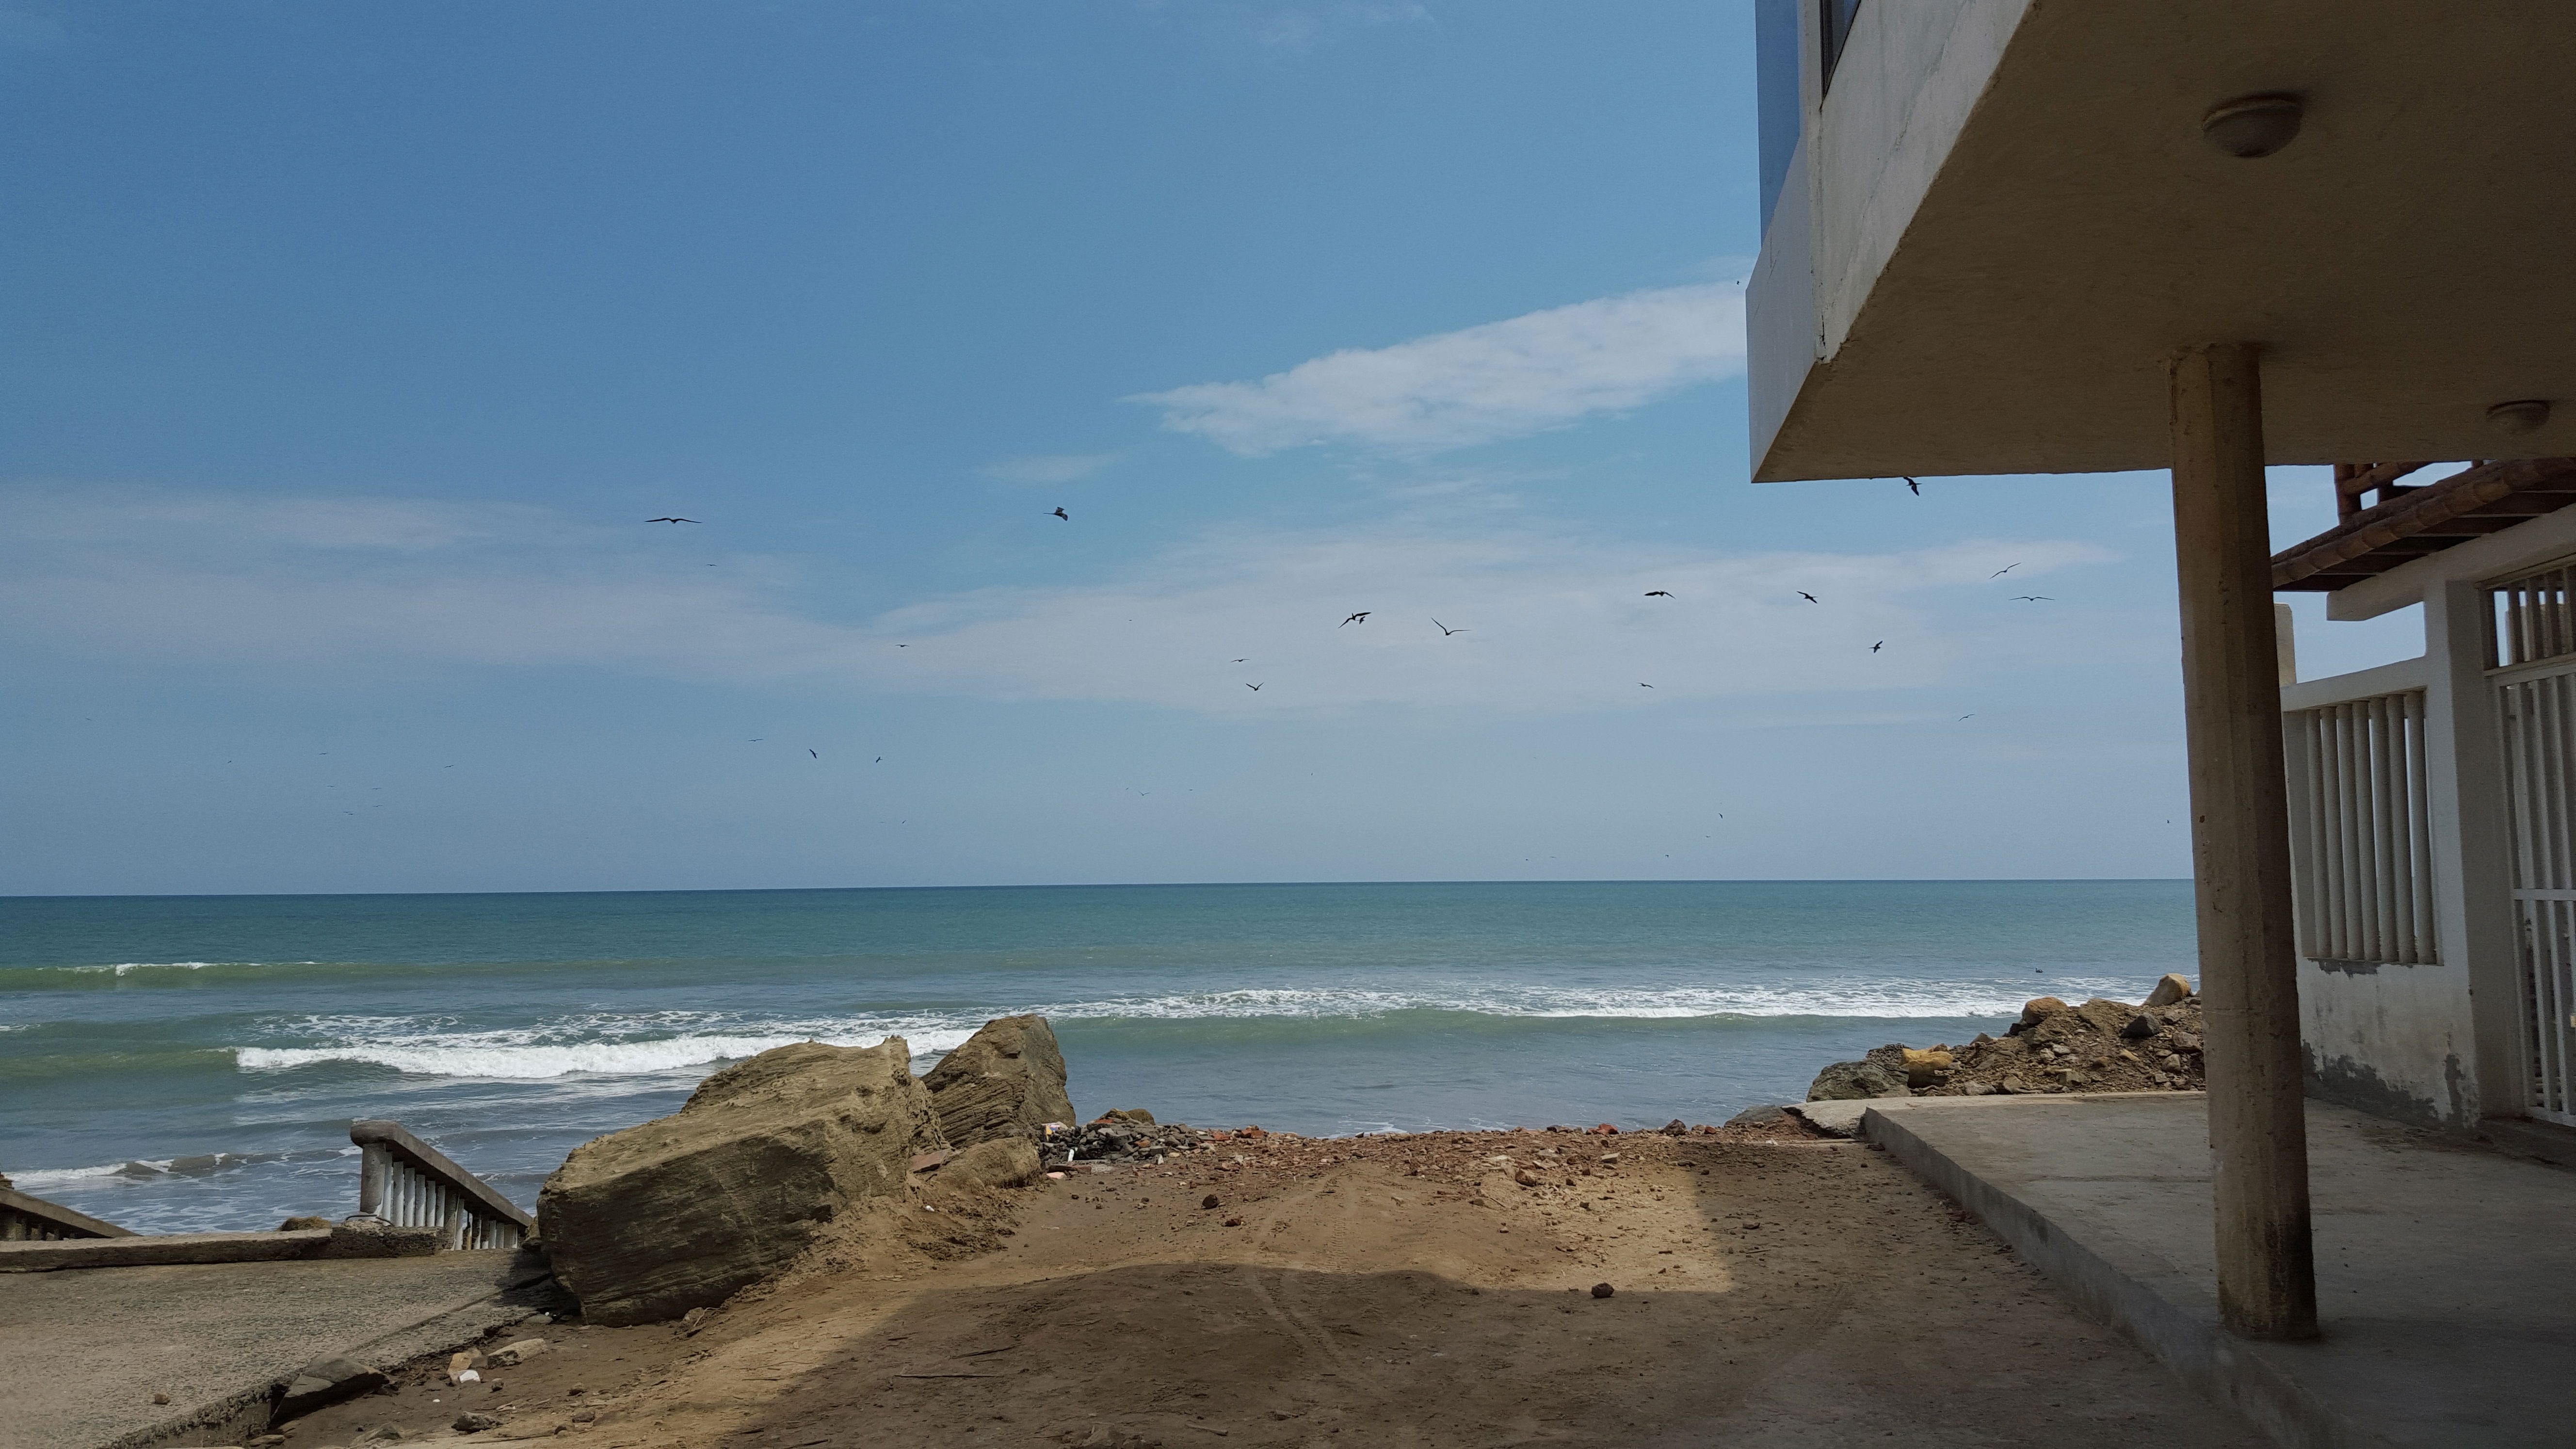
x=1435, y=1289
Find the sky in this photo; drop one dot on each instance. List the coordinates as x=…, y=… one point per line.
x=349, y=349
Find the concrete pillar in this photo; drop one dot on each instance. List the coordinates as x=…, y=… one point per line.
x=2240, y=837
x=2464, y=780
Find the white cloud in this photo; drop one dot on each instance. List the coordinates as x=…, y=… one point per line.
x=1048, y=467
x=1501, y=380
x=1550, y=620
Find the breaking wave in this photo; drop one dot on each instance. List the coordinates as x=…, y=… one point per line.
x=647, y=1044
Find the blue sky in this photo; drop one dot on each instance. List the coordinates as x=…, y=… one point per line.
x=350, y=346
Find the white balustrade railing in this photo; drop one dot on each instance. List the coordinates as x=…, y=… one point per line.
x=2360, y=836
x=411, y=1184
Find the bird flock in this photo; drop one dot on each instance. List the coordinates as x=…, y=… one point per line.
x=1361, y=616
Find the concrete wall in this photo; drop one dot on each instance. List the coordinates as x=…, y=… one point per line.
x=1869, y=150
x=1900, y=97
x=2394, y=1041
x=2438, y=1043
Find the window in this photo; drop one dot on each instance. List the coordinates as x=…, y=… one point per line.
x=1838, y=17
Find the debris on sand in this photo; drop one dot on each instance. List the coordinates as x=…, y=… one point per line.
x=2098, y=1045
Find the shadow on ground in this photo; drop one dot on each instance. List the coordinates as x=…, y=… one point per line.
x=1788, y=1296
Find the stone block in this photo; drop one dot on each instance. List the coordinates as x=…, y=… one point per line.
x=1002, y=1162
x=323, y=1382
x=1006, y=1080
x=680, y=1212
x=1852, y=1081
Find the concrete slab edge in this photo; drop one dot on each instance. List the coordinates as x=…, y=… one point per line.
x=154, y=1249
x=2205, y=1356
x=238, y=1415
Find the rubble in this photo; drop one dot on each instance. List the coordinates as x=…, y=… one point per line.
x=2098, y=1045
x=1126, y=1138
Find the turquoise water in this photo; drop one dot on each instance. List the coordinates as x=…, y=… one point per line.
x=192, y=1063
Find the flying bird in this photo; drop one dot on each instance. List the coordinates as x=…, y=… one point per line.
x=1643, y=685
x=2033, y=599
x=1445, y=630
x=672, y=520
x=1067, y=517
x=810, y=752
x=880, y=759
x=1810, y=598
x=1970, y=716
x=1881, y=644
x=1359, y=618
x=2007, y=568
x=1915, y=488
x=1659, y=593
x=1243, y=661
x=1255, y=688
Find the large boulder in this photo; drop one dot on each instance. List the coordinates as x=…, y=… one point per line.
x=2035, y=1012
x=678, y=1213
x=2107, y=1016
x=1006, y=1081
x=1001, y=1162
x=1852, y=1081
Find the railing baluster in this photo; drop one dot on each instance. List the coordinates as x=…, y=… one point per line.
x=415, y=1185
x=2362, y=862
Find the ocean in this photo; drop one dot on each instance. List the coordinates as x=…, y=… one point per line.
x=192, y=1063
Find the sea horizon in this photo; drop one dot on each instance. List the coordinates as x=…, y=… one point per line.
x=191, y=1062
x=1108, y=885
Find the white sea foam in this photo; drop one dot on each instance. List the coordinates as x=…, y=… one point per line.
x=1895, y=998
x=541, y=1053
x=614, y=1045
x=61, y=1177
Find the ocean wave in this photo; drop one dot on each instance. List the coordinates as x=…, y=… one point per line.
x=506, y=1061
x=31, y=1179
x=667, y=1042
x=148, y=1169
x=1896, y=999
x=87, y=975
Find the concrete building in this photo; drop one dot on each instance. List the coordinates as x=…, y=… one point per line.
x=2034, y=236
x=2433, y=801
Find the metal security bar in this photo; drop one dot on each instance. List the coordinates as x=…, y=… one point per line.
x=2534, y=675
x=411, y=1184
x=2362, y=846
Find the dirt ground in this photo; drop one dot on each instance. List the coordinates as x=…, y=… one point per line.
x=1430, y=1290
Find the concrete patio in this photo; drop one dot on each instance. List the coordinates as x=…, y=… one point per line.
x=2446, y=1268
x=87, y=1348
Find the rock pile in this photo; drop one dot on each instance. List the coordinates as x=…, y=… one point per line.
x=2099, y=1045
x=1125, y=1137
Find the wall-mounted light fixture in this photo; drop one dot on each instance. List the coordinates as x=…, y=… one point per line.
x=2251, y=126
x=2518, y=417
